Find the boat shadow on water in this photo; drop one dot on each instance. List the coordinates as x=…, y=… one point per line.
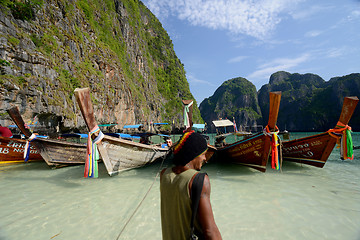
x=292, y=168
x=233, y=171
x=65, y=177
x=31, y=166
x=229, y=172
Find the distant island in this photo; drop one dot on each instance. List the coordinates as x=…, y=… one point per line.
x=308, y=102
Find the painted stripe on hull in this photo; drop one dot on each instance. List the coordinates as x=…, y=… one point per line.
x=241, y=142
x=253, y=154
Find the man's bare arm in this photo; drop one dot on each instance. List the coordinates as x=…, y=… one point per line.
x=205, y=214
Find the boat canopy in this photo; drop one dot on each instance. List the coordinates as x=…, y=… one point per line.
x=107, y=125
x=223, y=123
x=144, y=134
x=42, y=136
x=149, y=134
x=75, y=135
x=121, y=135
x=14, y=126
x=163, y=135
x=198, y=127
x=132, y=126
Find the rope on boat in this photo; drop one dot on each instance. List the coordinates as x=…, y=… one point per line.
x=280, y=153
x=143, y=199
x=92, y=154
x=346, y=143
x=27, y=147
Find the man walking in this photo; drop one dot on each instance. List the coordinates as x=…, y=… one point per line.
x=175, y=188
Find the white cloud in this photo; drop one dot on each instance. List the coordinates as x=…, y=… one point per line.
x=194, y=80
x=336, y=52
x=354, y=15
x=280, y=64
x=309, y=11
x=313, y=33
x=323, y=54
x=253, y=18
x=237, y=59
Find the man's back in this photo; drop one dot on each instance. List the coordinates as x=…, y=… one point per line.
x=175, y=186
x=176, y=204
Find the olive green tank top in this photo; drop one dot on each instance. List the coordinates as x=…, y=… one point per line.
x=176, y=205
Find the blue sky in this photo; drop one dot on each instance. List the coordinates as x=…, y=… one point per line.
x=217, y=40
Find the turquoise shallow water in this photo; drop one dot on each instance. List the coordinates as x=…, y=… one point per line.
x=300, y=202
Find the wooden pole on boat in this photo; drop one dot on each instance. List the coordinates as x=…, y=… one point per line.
x=348, y=109
x=275, y=98
x=19, y=121
x=16, y=117
x=84, y=101
x=274, y=105
x=83, y=98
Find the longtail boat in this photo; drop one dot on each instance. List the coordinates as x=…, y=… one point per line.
x=12, y=151
x=315, y=150
x=117, y=154
x=56, y=153
x=254, y=150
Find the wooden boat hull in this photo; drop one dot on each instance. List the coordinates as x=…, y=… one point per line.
x=61, y=153
x=254, y=150
x=56, y=153
x=251, y=152
x=12, y=151
x=124, y=155
x=117, y=154
x=313, y=150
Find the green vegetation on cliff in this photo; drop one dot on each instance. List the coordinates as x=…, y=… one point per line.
x=24, y=10
x=118, y=48
x=235, y=98
x=308, y=103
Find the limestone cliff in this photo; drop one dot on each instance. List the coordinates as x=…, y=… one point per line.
x=234, y=99
x=117, y=48
x=308, y=102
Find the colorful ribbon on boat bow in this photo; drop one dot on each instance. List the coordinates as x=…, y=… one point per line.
x=346, y=143
x=27, y=147
x=275, y=161
x=91, y=164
